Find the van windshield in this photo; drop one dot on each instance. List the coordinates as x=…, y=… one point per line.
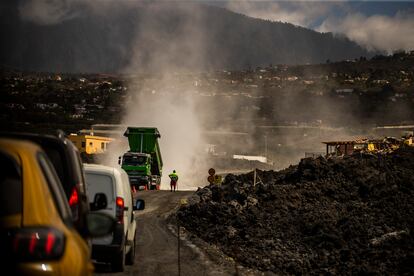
x=134, y=160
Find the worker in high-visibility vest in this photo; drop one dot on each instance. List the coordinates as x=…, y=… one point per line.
x=174, y=179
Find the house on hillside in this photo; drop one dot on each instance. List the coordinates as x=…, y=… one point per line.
x=90, y=144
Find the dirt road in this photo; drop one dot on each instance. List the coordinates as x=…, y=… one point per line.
x=157, y=245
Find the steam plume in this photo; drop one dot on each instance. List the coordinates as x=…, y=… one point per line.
x=302, y=13
x=377, y=32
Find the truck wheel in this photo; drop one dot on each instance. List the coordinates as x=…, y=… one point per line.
x=118, y=263
x=130, y=257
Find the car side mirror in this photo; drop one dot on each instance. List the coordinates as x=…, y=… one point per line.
x=99, y=202
x=119, y=160
x=99, y=224
x=139, y=205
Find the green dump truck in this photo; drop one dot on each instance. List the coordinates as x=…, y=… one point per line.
x=143, y=162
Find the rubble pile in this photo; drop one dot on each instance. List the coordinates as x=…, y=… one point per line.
x=350, y=215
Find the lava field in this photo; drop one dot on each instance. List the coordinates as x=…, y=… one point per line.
x=350, y=215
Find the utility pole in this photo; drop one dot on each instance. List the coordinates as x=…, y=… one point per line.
x=178, y=240
x=183, y=202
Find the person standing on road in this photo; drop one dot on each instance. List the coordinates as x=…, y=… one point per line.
x=174, y=179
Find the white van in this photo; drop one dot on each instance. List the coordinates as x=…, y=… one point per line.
x=109, y=192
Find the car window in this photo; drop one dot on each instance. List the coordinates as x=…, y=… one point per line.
x=55, y=187
x=77, y=167
x=82, y=186
x=58, y=161
x=11, y=186
x=99, y=183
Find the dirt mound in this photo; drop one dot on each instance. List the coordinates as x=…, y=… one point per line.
x=352, y=215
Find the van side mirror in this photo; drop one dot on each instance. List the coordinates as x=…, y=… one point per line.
x=99, y=224
x=99, y=202
x=119, y=160
x=139, y=205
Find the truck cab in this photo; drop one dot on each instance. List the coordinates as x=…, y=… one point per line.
x=138, y=168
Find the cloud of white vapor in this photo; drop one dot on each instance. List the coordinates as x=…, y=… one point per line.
x=302, y=13
x=376, y=32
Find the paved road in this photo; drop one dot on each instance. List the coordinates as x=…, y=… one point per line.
x=156, y=245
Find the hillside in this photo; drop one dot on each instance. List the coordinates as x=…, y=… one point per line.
x=161, y=36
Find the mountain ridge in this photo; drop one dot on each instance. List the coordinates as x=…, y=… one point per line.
x=161, y=36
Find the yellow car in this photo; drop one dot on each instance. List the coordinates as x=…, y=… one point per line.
x=37, y=235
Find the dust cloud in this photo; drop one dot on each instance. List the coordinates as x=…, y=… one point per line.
x=175, y=117
x=164, y=82
x=165, y=100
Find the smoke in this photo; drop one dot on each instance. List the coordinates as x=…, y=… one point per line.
x=302, y=13
x=378, y=32
x=166, y=100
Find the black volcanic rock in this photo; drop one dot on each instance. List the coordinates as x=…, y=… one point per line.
x=325, y=216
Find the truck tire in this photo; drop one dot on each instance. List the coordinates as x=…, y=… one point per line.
x=130, y=257
x=118, y=263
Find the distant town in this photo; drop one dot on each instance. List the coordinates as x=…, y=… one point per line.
x=306, y=103
x=372, y=90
